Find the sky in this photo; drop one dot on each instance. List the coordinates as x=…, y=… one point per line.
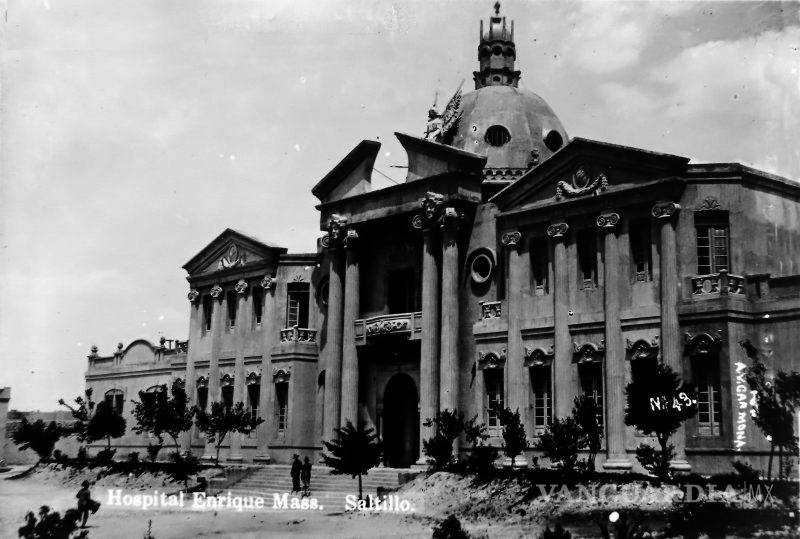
x=132, y=133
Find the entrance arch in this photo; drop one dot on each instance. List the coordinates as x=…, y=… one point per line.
x=401, y=421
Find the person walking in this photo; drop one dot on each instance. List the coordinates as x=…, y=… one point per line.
x=297, y=467
x=305, y=476
x=86, y=503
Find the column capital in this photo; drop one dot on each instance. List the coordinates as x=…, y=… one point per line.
x=557, y=230
x=216, y=291
x=193, y=295
x=268, y=282
x=432, y=205
x=241, y=287
x=607, y=220
x=336, y=230
x=665, y=210
x=511, y=239
x=450, y=219
x=350, y=238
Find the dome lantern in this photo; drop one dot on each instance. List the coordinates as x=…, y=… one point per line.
x=496, y=54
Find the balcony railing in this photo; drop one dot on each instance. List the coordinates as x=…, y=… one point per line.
x=721, y=283
x=408, y=325
x=297, y=334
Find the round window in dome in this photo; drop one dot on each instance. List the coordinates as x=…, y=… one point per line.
x=497, y=135
x=482, y=266
x=553, y=140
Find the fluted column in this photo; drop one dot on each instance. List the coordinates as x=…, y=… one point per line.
x=242, y=325
x=562, y=341
x=219, y=304
x=270, y=329
x=448, y=388
x=195, y=319
x=515, y=365
x=351, y=312
x=429, y=346
x=665, y=213
x=333, y=345
x=614, y=368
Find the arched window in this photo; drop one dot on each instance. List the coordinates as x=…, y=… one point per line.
x=116, y=399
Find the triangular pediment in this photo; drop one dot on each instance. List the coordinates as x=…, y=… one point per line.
x=230, y=250
x=587, y=168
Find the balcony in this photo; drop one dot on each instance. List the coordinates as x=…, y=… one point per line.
x=297, y=334
x=406, y=326
x=717, y=284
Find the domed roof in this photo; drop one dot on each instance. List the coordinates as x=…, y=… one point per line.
x=507, y=124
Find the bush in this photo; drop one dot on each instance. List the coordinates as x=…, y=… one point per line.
x=654, y=461
x=38, y=436
x=82, y=458
x=183, y=466
x=481, y=460
x=105, y=456
x=561, y=441
x=449, y=528
x=133, y=458
x=514, y=439
x=746, y=472
x=152, y=451
x=556, y=533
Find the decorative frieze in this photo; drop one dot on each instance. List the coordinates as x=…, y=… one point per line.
x=241, y=287
x=642, y=348
x=491, y=360
x=581, y=183
x=588, y=352
x=665, y=210
x=216, y=291
x=702, y=344
x=557, y=230
x=296, y=334
x=491, y=309
x=718, y=283
x=607, y=220
x=193, y=295
x=384, y=327
x=281, y=374
x=538, y=357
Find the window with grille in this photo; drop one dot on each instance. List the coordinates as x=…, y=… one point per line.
x=297, y=305
x=641, y=255
x=208, y=309
x=202, y=397
x=258, y=304
x=712, y=243
x=709, y=406
x=282, y=405
x=592, y=382
x=497, y=135
x=539, y=253
x=233, y=303
x=493, y=380
x=115, y=399
x=542, y=398
x=587, y=257
x=227, y=397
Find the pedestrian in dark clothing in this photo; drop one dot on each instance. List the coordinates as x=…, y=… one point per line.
x=305, y=475
x=86, y=503
x=297, y=467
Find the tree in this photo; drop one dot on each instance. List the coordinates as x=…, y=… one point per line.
x=560, y=442
x=354, y=451
x=439, y=448
x=159, y=413
x=223, y=420
x=584, y=412
x=38, y=436
x=95, y=421
x=482, y=456
x=658, y=402
x=514, y=439
x=776, y=403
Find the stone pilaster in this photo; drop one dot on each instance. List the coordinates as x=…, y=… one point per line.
x=448, y=371
x=665, y=214
x=429, y=350
x=351, y=311
x=516, y=375
x=270, y=329
x=219, y=304
x=562, y=361
x=243, y=319
x=614, y=368
x=195, y=320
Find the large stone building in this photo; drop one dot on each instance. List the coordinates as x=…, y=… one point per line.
x=515, y=266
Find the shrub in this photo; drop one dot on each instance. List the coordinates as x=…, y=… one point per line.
x=183, y=466
x=449, y=528
x=560, y=442
x=654, y=461
x=584, y=412
x=82, y=458
x=556, y=533
x=105, y=456
x=152, y=451
x=746, y=472
x=38, y=436
x=514, y=439
x=449, y=425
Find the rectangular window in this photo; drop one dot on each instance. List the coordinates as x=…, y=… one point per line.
x=639, y=234
x=232, y=301
x=587, y=257
x=227, y=397
x=297, y=305
x=258, y=304
x=253, y=399
x=542, y=398
x=202, y=397
x=709, y=406
x=282, y=405
x=401, y=290
x=592, y=384
x=493, y=380
x=539, y=252
x=712, y=243
x=208, y=309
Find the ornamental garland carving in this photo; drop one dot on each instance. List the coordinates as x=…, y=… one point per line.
x=383, y=327
x=607, y=220
x=642, y=348
x=702, y=344
x=665, y=210
x=491, y=360
x=557, y=230
x=232, y=258
x=241, y=286
x=216, y=291
x=581, y=184
x=193, y=295
x=537, y=357
x=511, y=239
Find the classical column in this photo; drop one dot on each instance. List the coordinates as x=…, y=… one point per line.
x=195, y=319
x=219, y=304
x=351, y=311
x=515, y=365
x=429, y=347
x=239, y=395
x=614, y=368
x=562, y=359
x=665, y=213
x=270, y=329
x=448, y=371
x=333, y=345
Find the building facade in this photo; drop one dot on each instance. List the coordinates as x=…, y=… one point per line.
x=514, y=267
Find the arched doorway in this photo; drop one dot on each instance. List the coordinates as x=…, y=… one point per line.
x=401, y=422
